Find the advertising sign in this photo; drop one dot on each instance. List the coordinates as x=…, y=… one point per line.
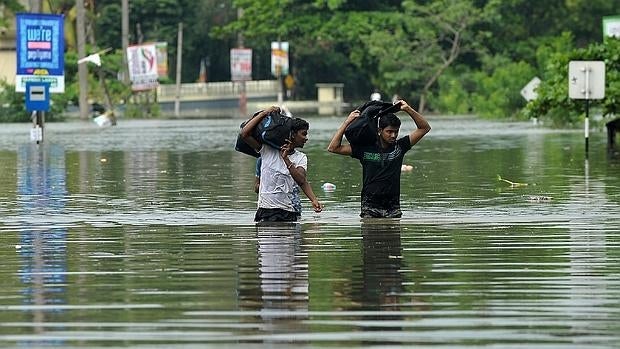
x=40, y=51
x=162, y=59
x=279, y=58
x=611, y=26
x=240, y=64
x=142, y=61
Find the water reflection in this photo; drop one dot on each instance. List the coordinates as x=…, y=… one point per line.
x=283, y=274
x=42, y=249
x=380, y=284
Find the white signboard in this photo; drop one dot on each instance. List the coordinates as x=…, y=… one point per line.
x=611, y=26
x=241, y=64
x=586, y=79
x=279, y=58
x=529, y=91
x=142, y=61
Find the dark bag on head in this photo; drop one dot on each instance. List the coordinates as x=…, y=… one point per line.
x=274, y=130
x=363, y=130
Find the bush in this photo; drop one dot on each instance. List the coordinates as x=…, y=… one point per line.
x=498, y=91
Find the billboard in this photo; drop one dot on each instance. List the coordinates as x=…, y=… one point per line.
x=142, y=61
x=240, y=64
x=40, y=51
x=279, y=58
x=162, y=59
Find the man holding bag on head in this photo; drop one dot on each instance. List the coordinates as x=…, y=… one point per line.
x=283, y=172
x=381, y=158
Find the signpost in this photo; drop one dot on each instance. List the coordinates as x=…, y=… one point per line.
x=586, y=80
x=40, y=51
x=241, y=71
x=529, y=91
x=143, y=71
x=40, y=64
x=279, y=63
x=37, y=101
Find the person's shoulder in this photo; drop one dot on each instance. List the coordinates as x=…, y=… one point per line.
x=404, y=141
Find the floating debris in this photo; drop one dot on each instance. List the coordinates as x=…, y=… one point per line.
x=539, y=198
x=406, y=168
x=512, y=184
x=328, y=187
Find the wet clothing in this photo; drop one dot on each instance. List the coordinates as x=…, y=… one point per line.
x=381, y=170
x=275, y=215
x=278, y=189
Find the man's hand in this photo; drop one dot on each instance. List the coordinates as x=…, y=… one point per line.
x=285, y=149
x=352, y=116
x=317, y=206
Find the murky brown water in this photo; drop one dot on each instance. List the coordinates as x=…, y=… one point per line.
x=142, y=236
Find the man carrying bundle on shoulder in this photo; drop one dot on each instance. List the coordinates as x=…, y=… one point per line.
x=373, y=141
x=282, y=171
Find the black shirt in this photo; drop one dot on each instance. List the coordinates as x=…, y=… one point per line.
x=381, y=170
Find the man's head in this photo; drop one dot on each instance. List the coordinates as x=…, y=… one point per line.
x=299, y=132
x=389, y=125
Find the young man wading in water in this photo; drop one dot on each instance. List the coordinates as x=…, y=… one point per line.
x=382, y=160
x=282, y=173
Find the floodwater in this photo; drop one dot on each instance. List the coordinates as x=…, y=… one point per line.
x=141, y=236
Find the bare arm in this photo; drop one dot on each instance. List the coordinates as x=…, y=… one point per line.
x=336, y=146
x=422, y=125
x=246, y=131
x=299, y=175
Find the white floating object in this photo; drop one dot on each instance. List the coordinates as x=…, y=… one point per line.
x=328, y=186
x=406, y=168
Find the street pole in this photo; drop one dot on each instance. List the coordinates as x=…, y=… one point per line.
x=587, y=120
x=82, y=68
x=243, y=100
x=177, y=99
x=125, y=40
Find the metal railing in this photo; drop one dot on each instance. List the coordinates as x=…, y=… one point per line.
x=207, y=90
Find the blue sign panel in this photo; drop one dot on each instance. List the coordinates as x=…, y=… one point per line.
x=40, y=50
x=37, y=96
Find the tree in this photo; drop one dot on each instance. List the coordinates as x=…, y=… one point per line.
x=414, y=49
x=553, y=101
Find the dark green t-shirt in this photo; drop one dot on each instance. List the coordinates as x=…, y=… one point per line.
x=381, y=170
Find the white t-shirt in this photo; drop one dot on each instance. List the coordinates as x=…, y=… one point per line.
x=276, y=183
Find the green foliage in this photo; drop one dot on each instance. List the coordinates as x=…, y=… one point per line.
x=453, y=95
x=497, y=93
x=13, y=105
x=553, y=101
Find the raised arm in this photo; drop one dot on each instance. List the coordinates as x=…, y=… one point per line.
x=422, y=125
x=336, y=146
x=247, y=130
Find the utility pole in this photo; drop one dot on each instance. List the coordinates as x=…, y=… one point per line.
x=177, y=98
x=35, y=6
x=82, y=68
x=125, y=40
x=243, y=99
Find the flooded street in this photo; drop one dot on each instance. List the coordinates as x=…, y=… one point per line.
x=142, y=236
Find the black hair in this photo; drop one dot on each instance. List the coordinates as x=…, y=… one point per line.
x=299, y=124
x=389, y=120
